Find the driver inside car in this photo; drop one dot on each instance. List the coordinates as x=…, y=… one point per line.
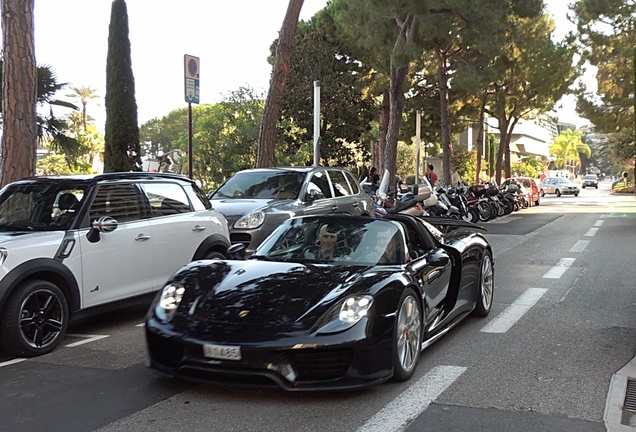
x=326, y=245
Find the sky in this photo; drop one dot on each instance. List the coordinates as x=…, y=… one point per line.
x=230, y=38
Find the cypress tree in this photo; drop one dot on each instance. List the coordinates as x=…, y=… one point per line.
x=121, y=141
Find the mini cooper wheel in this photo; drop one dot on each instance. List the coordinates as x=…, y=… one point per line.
x=407, y=336
x=35, y=319
x=486, y=286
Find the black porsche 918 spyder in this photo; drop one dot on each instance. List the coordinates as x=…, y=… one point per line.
x=325, y=302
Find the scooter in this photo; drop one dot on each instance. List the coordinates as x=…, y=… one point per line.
x=408, y=203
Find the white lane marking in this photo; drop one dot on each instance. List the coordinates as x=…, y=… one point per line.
x=505, y=220
x=580, y=246
x=397, y=415
x=513, y=313
x=560, y=268
x=10, y=362
x=599, y=223
x=141, y=325
x=603, y=216
x=88, y=338
x=591, y=232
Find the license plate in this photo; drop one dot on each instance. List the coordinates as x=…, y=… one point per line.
x=223, y=352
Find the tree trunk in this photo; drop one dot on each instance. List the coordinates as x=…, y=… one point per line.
x=399, y=70
x=506, y=127
x=19, y=91
x=267, y=135
x=479, y=139
x=503, y=132
x=385, y=115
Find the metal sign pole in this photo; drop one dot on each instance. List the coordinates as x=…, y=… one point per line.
x=189, y=140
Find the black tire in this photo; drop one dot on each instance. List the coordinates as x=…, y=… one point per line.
x=485, y=213
x=558, y=193
x=537, y=202
x=34, y=319
x=214, y=254
x=541, y=193
x=407, y=336
x=474, y=215
x=576, y=194
x=486, y=287
x=494, y=211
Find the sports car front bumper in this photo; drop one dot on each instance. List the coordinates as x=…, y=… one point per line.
x=358, y=357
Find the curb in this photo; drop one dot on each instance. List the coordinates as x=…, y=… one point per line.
x=613, y=415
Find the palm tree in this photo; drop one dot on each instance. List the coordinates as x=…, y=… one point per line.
x=50, y=128
x=83, y=94
x=568, y=148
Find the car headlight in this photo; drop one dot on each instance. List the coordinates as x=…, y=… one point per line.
x=252, y=220
x=169, y=301
x=3, y=255
x=355, y=308
x=345, y=314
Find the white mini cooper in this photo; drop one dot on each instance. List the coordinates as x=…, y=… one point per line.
x=69, y=244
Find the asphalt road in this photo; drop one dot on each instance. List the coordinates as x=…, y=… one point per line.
x=562, y=324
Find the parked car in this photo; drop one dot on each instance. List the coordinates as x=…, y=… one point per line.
x=355, y=310
x=590, y=180
x=257, y=201
x=559, y=186
x=72, y=244
x=530, y=185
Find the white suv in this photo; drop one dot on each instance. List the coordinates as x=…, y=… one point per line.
x=71, y=243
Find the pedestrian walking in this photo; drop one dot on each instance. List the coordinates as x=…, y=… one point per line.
x=431, y=176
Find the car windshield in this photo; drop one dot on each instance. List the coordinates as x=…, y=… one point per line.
x=39, y=207
x=262, y=185
x=590, y=177
x=342, y=240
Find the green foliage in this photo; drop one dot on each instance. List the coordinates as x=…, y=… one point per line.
x=606, y=32
x=225, y=137
x=53, y=164
x=464, y=163
x=567, y=148
x=122, y=148
x=529, y=167
x=90, y=146
x=51, y=129
x=533, y=73
x=346, y=114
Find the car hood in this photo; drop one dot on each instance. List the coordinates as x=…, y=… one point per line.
x=11, y=239
x=234, y=209
x=267, y=294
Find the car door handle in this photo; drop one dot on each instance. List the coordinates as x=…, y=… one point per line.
x=432, y=275
x=142, y=237
x=198, y=228
x=355, y=204
x=334, y=208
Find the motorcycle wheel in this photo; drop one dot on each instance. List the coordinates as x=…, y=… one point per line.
x=500, y=209
x=474, y=215
x=509, y=207
x=494, y=211
x=484, y=211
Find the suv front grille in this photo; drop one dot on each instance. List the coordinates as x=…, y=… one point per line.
x=244, y=238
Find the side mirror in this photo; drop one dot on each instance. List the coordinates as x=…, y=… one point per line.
x=236, y=251
x=104, y=224
x=313, y=195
